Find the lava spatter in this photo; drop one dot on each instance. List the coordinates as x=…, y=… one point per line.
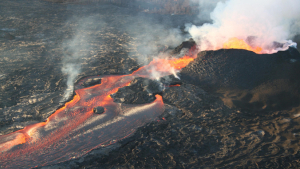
x=235, y=43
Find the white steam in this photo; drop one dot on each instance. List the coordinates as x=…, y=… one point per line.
x=75, y=49
x=151, y=40
x=264, y=22
x=72, y=70
x=205, y=8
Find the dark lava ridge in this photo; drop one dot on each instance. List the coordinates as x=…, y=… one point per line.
x=91, y=82
x=140, y=91
x=143, y=90
x=184, y=45
x=248, y=80
x=170, y=80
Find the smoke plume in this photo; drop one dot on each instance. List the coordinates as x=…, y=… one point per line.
x=259, y=23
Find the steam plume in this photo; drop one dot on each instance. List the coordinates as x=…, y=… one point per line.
x=205, y=8
x=260, y=23
x=151, y=39
x=75, y=49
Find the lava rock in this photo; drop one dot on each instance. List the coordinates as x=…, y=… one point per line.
x=246, y=79
x=139, y=91
x=6, y=35
x=170, y=80
x=188, y=97
x=171, y=111
x=91, y=82
x=231, y=68
x=186, y=44
x=98, y=110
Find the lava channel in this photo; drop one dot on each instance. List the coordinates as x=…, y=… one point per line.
x=75, y=130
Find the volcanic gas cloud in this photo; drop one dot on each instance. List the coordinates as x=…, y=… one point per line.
x=259, y=26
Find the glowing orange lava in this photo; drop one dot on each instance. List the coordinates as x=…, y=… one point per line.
x=235, y=43
x=74, y=129
x=176, y=85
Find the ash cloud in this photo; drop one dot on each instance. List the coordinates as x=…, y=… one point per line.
x=265, y=21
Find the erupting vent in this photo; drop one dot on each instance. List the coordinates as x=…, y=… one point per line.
x=235, y=43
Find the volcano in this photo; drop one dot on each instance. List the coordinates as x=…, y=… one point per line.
x=258, y=82
x=226, y=108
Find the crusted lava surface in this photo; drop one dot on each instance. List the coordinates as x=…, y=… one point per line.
x=139, y=91
x=143, y=90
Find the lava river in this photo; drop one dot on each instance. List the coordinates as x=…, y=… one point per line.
x=74, y=129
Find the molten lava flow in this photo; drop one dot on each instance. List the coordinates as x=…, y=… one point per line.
x=176, y=85
x=235, y=43
x=74, y=129
x=166, y=66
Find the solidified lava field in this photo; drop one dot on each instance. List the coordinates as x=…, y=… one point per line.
x=230, y=108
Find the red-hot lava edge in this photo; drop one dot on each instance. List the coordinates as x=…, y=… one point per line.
x=74, y=129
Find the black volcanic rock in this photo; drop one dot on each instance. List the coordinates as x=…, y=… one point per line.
x=188, y=97
x=246, y=79
x=91, y=82
x=98, y=110
x=140, y=90
x=170, y=80
x=6, y=35
x=186, y=44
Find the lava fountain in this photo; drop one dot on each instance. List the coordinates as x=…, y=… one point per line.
x=235, y=43
x=263, y=27
x=75, y=130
